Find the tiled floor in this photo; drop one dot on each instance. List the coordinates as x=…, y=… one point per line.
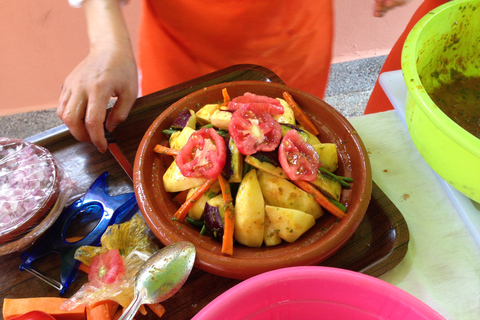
x=351, y=83
x=348, y=91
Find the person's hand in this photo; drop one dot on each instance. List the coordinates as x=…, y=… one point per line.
x=105, y=73
x=382, y=6
x=108, y=71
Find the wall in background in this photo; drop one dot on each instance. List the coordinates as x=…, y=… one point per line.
x=43, y=40
x=360, y=35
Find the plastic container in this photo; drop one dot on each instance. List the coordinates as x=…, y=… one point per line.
x=28, y=186
x=316, y=293
x=445, y=40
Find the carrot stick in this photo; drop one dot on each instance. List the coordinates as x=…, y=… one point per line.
x=182, y=212
x=181, y=197
x=99, y=312
x=226, y=97
x=301, y=117
x=14, y=307
x=83, y=267
x=227, y=241
x=320, y=198
x=142, y=310
x=110, y=305
x=118, y=314
x=157, y=308
x=165, y=150
x=97, y=303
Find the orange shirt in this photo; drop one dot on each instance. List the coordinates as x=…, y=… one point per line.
x=183, y=39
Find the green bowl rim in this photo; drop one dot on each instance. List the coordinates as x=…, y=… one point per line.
x=409, y=69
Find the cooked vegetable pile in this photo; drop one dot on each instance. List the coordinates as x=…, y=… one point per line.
x=251, y=170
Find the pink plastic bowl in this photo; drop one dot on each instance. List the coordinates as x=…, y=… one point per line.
x=315, y=293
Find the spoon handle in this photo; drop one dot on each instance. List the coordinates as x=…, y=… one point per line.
x=132, y=309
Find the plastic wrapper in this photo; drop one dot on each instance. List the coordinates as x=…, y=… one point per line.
x=33, y=193
x=135, y=245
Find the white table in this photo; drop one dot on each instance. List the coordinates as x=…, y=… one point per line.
x=442, y=265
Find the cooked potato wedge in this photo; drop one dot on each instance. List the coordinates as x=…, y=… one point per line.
x=289, y=223
x=270, y=235
x=175, y=181
x=265, y=166
x=192, y=121
x=249, y=212
x=287, y=116
x=221, y=119
x=328, y=155
x=205, y=113
x=328, y=186
x=280, y=192
x=310, y=138
x=178, y=140
x=196, y=211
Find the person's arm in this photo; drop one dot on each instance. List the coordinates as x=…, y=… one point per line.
x=382, y=6
x=108, y=71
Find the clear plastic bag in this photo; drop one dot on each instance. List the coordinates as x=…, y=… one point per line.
x=135, y=245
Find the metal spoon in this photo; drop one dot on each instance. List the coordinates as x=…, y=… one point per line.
x=161, y=276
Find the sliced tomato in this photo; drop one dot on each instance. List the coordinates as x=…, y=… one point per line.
x=298, y=158
x=256, y=103
x=203, y=156
x=107, y=267
x=254, y=132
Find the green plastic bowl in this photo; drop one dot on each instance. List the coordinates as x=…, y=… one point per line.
x=446, y=39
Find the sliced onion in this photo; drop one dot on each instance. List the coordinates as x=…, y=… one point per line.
x=28, y=184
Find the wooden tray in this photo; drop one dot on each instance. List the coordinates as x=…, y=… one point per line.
x=378, y=245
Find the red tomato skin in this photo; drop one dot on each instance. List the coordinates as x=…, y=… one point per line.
x=256, y=103
x=191, y=158
x=245, y=126
x=34, y=315
x=298, y=158
x=107, y=267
